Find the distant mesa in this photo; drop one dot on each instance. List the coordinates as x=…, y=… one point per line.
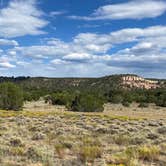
x=132, y=81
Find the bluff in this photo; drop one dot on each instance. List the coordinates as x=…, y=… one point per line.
x=126, y=81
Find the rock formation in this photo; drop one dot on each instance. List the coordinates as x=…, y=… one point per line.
x=132, y=81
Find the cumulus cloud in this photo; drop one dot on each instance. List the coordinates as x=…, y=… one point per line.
x=78, y=57
x=5, y=62
x=5, y=42
x=144, y=63
x=86, y=44
x=92, y=47
x=136, y=9
x=6, y=65
x=21, y=18
x=92, y=51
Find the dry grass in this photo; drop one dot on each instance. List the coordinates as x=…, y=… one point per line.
x=149, y=152
x=152, y=112
x=68, y=138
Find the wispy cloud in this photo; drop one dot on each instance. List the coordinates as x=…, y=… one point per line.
x=136, y=9
x=57, y=13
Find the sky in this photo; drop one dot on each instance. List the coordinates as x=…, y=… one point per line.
x=82, y=38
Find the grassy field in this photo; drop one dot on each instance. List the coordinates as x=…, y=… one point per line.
x=44, y=135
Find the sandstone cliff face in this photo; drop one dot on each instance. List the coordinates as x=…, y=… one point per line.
x=130, y=81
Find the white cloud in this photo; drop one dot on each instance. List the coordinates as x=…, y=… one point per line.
x=40, y=51
x=5, y=42
x=78, y=57
x=59, y=62
x=6, y=65
x=1, y=51
x=12, y=53
x=5, y=62
x=133, y=34
x=56, y=13
x=86, y=44
x=21, y=18
x=91, y=52
x=91, y=43
x=22, y=63
x=136, y=9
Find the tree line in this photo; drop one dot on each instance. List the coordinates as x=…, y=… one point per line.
x=12, y=97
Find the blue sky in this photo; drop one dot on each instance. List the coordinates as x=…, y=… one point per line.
x=78, y=38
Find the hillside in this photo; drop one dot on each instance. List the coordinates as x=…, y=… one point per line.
x=126, y=81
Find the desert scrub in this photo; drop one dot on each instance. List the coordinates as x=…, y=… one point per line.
x=50, y=137
x=43, y=154
x=132, y=155
x=16, y=141
x=89, y=140
x=122, y=139
x=89, y=153
x=17, y=151
x=90, y=149
x=149, y=153
x=60, y=149
x=129, y=157
x=38, y=136
x=115, y=165
x=163, y=148
x=33, y=154
x=62, y=145
x=4, y=150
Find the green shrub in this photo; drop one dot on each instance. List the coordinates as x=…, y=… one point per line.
x=126, y=104
x=143, y=105
x=161, y=100
x=60, y=98
x=160, y=103
x=116, y=96
x=11, y=97
x=27, y=96
x=87, y=103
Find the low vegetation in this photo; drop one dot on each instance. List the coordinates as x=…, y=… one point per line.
x=11, y=97
x=150, y=153
x=87, y=103
x=77, y=101
x=81, y=95
x=55, y=137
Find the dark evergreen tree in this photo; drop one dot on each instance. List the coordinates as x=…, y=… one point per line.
x=11, y=97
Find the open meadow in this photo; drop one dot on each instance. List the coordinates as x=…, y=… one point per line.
x=47, y=135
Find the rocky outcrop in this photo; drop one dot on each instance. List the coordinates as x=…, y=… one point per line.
x=132, y=81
